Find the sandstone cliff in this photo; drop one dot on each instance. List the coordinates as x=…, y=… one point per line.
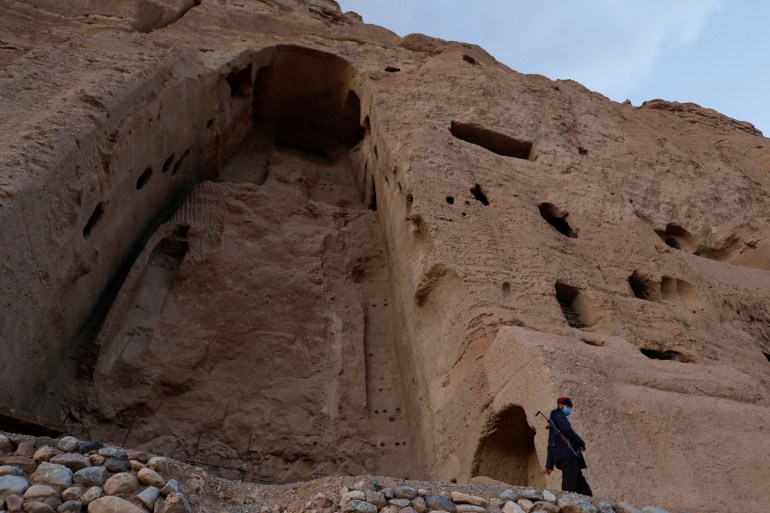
x=265, y=235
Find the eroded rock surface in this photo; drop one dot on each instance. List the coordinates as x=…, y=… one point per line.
x=269, y=238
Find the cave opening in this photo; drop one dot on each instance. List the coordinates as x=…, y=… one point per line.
x=669, y=354
x=479, y=195
x=677, y=237
x=506, y=451
x=767, y=355
x=93, y=219
x=557, y=218
x=305, y=100
x=240, y=82
x=575, y=305
x=644, y=287
x=144, y=179
x=495, y=142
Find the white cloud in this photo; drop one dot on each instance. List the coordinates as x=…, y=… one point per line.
x=608, y=45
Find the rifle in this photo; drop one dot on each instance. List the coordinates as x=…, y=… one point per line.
x=564, y=439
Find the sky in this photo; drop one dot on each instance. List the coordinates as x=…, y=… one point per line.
x=715, y=53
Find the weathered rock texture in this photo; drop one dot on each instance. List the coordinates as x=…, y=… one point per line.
x=266, y=236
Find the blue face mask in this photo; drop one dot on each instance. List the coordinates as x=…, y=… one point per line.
x=566, y=411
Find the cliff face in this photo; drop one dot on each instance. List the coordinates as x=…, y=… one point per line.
x=321, y=248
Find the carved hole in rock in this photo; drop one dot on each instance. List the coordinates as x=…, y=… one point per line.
x=644, y=287
x=240, y=83
x=506, y=451
x=678, y=291
x=479, y=195
x=470, y=60
x=506, y=288
x=767, y=355
x=96, y=215
x=307, y=104
x=577, y=308
x=450, y=200
x=179, y=163
x=557, y=218
x=144, y=178
x=493, y=141
x=678, y=238
x=167, y=164
x=392, y=69
x=655, y=354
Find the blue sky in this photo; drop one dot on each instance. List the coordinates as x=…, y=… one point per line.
x=715, y=53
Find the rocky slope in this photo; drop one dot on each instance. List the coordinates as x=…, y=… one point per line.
x=269, y=238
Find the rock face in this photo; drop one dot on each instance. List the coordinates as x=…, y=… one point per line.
x=405, y=247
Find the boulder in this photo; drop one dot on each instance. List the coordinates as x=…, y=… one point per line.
x=172, y=486
x=25, y=448
x=158, y=464
x=13, y=485
x=26, y=463
x=51, y=474
x=624, y=507
x=418, y=504
x=469, y=508
x=351, y=496
x=10, y=470
x=405, y=492
x=68, y=444
x=91, y=495
x=45, y=453
x=439, y=503
x=14, y=503
x=357, y=506
x=72, y=493
x=376, y=498
x=149, y=477
x=148, y=496
x=6, y=446
x=42, y=493
x=573, y=503
x=509, y=495
x=462, y=498
x=91, y=476
x=544, y=507
x=113, y=453
x=366, y=484
x=512, y=507
x=88, y=447
x=73, y=506
x=140, y=456
x=117, y=466
x=113, y=505
x=125, y=482
x=71, y=460
x=37, y=507
x=176, y=503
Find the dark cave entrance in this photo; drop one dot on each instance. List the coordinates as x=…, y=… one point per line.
x=506, y=451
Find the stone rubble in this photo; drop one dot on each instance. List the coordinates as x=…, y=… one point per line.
x=43, y=475
x=67, y=480
x=369, y=496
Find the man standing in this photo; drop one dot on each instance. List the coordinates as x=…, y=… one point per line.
x=564, y=450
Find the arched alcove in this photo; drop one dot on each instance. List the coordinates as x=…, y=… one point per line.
x=306, y=99
x=506, y=450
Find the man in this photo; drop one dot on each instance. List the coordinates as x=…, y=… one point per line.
x=566, y=457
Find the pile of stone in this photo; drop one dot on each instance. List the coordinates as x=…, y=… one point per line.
x=369, y=496
x=43, y=475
